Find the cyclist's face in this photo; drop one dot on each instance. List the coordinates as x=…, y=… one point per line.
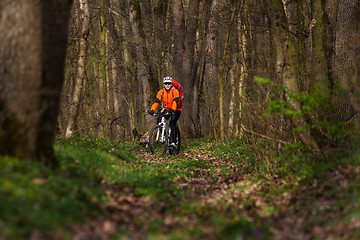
x=167, y=86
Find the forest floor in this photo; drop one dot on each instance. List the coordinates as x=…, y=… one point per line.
x=211, y=190
x=215, y=200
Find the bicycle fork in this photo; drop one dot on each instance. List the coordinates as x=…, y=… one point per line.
x=162, y=135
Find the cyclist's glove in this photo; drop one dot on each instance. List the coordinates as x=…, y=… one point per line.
x=171, y=111
x=151, y=112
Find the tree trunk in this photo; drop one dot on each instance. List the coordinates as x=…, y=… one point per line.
x=241, y=67
x=233, y=99
x=222, y=75
x=184, y=60
x=141, y=55
x=286, y=62
x=32, y=53
x=211, y=105
x=103, y=76
x=318, y=60
x=179, y=39
x=80, y=76
x=190, y=63
x=347, y=47
x=130, y=96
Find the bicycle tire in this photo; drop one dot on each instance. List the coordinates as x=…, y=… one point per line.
x=176, y=150
x=157, y=147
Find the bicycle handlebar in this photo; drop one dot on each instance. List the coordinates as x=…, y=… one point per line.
x=164, y=113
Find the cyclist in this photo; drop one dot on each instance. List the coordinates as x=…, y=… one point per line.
x=170, y=97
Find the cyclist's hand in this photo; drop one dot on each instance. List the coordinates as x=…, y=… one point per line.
x=151, y=112
x=171, y=111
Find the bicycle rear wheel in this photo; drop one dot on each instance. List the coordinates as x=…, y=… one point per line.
x=175, y=150
x=157, y=141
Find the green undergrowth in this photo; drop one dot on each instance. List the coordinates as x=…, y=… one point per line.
x=36, y=200
x=40, y=202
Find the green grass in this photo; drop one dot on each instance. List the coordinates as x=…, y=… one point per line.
x=36, y=201
x=33, y=198
x=40, y=200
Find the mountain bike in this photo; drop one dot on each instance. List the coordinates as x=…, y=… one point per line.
x=160, y=135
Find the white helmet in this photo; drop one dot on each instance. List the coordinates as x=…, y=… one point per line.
x=167, y=80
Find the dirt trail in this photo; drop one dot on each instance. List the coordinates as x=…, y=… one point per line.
x=291, y=215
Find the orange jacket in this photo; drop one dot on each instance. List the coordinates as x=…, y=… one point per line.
x=170, y=99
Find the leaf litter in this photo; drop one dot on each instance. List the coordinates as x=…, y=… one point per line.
x=305, y=212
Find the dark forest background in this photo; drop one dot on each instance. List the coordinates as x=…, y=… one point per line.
x=283, y=71
x=233, y=58
x=270, y=123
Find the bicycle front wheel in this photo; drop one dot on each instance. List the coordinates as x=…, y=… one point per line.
x=158, y=140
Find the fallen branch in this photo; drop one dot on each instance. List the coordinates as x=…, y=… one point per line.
x=263, y=136
x=352, y=117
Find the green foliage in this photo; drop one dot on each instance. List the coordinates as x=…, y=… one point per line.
x=211, y=190
x=311, y=104
x=232, y=148
x=316, y=109
x=238, y=151
x=241, y=229
x=37, y=199
x=118, y=150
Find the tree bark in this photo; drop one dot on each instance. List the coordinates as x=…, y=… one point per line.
x=185, y=64
x=240, y=60
x=190, y=64
x=347, y=46
x=141, y=55
x=179, y=39
x=129, y=96
x=233, y=99
x=32, y=53
x=81, y=69
x=319, y=64
x=211, y=105
x=286, y=63
x=222, y=75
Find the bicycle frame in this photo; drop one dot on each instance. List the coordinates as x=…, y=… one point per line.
x=160, y=135
x=163, y=125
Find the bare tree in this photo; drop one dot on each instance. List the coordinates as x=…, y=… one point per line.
x=347, y=44
x=80, y=76
x=286, y=62
x=211, y=106
x=291, y=42
x=144, y=75
x=186, y=60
